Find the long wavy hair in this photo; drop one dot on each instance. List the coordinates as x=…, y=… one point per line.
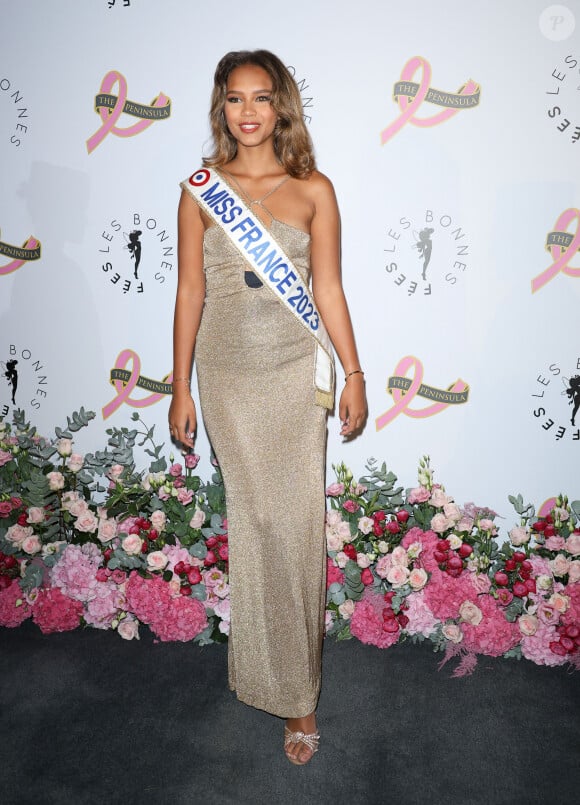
x=292, y=143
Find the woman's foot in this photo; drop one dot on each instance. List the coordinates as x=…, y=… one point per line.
x=301, y=739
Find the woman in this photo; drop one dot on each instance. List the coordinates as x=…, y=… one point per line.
x=257, y=352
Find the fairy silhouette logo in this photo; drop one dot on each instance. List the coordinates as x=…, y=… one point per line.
x=13, y=98
x=111, y=106
x=404, y=389
x=25, y=382
x=135, y=254
x=126, y=377
x=410, y=95
x=18, y=255
x=304, y=88
x=562, y=246
x=562, y=98
x=556, y=401
x=425, y=252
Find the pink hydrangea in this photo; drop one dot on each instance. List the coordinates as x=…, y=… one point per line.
x=421, y=619
x=10, y=614
x=444, y=594
x=572, y=614
x=183, y=620
x=494, y=635
x=55, y=612
x=333, y=573
x=105, y=607
x=76, y=571
x=536, y=647
x=429, y=540
x=540, y=566
x=366, y=622
x=148, y=599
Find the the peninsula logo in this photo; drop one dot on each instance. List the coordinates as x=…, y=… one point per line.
x=426, y=251
x=410, y=94
x=126, y=376
x=556, y=401
x=562, y=246
x=562, y=99
x=110, y=107
x=18, y=111
x=18, y=255
x=135, y=254
x=307, y=102
x=404, y=389
x=23, y=380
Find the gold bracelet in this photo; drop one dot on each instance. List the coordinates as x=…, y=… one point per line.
x=354, y=372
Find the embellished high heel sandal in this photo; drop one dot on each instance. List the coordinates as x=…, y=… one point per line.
x=311, y=741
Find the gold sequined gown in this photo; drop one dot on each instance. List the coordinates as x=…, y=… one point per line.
x=255, y=367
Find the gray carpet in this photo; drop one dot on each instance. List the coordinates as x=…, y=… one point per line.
x=89, y=718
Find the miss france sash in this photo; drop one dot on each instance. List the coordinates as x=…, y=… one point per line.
x=268, y=260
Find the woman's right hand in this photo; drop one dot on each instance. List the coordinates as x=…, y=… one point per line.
x=182, y=418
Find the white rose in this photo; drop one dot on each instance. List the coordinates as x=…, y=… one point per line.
x=55, y=480
x=132, y=544
x=107, y=530
x=519, y=536
x=383, y=546
x=52, y=547
x=158, y=520
x=365, y=525
x=64, y=447
x=114, y=472
x=400, y=556
x=439, y=498
x=451, y=511
x=528, y=624
x=470, y=613
x=35, y=515
x=544, y=582
x=362, y=560
x=418, y=578
x=78, y=507
x=333, y=541
x=341, y=559
x=451, y=631
x=75, y=462
x=128, y=629
x=87, y=523
x=559, y=602
x=398, y=575
x=414, y=550
x=560, y=565
x=156, y=560
x=440, y=523
x=454, y=541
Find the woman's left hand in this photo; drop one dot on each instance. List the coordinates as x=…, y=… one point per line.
x=352, y=408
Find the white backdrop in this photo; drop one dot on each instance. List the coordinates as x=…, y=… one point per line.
x=482, y=189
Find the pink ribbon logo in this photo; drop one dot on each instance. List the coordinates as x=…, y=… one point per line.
x=410, y=95
x=30, y=250
x=404, y=390
x=562, y=246
x=126, y=381
x=110, y=107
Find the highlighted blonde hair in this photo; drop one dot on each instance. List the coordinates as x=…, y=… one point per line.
x=292, y=143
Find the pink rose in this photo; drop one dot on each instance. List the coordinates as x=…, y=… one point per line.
x=560, y=565
x=16, y=534
x=418, y=578
x=5, y=507
x=440, y=523
x=341, y=559
x=398, y=575
x=400, y=557
x=367, y=577
x=487, y=525
x=334, y=490
x=78, y=507
x=556, y=543
x=31, y=545
x=191, y=461
x=55, y=480
x=334, y=541
x=35, y=515
x=528, y=624
x=107, y=529
x=128, y=629
x=350, y=506
x=68, y=498
x=64, y=447
x=451, y=511
x=465, y=524
x=185, y=496
x=198, y=519
x=439, y=498
x=75, y=462
x=156, y=560
x=451, y=631
x=5, y=457
x=132, y=544
x=470, y=613
x=559, y=602
x=87, y=523
x=519, y=535
x=114, y=472
x=573, y=544
x=175, y=470
x=158, y=520
x=346, y=609
x=418, y=495
x=384, y=565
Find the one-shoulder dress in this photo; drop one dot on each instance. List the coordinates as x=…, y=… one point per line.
x=255, y=367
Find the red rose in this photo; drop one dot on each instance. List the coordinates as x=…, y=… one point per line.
x=519, y=556
x=366, y=576
x=210, y=559
x=465, y=550
x=211, y=542
x=454, y=572
x=572, y=630
x=392, y=527
x=179, y=568
x=152, y=534
x=135, y=529
x=549, y=531
x=402, y=515
x=539, y=525
x=388, y=614
x=185, y=589
x=558, y=648
x=16, y=502
x=440, y=556
x=350, y=551
x=390, y=626
x=379, y=517
x=510, y=564
x=501, y=578
x=144, y=547
x=403, y=620
x=568, y=644
x=194, y=576
x=519, y=589
x=443, y=545
x=389, y=596
x=22, y=519
x=531, y=585
x=378, y=530
x=5, y=508
x=10, y=561
x=223, y=552
x=454, y=562
x=527, y=566
x=5, y=582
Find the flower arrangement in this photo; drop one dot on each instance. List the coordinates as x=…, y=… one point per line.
x=91, y=540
